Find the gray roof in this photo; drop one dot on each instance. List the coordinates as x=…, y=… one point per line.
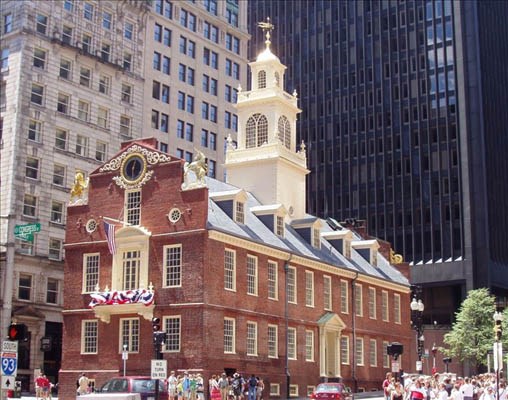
x=255, y=230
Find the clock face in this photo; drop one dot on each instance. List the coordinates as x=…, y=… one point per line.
x=134, y=168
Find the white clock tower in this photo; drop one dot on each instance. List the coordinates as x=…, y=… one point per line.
x=266, y=161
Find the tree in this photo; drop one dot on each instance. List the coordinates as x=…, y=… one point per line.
x=472, y=334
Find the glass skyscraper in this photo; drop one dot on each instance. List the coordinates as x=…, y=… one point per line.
x=405, y=129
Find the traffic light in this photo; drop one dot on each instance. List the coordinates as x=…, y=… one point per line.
x=17, y=332
x=156, y=324
x=498, y=330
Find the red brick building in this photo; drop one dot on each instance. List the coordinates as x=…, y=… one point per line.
x=241, y=277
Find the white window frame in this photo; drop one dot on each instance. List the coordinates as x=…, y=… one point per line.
x=359, y=299
x=172, y=261
x=57, y=210
x=279, y=226
x=359, y=349
x=85, y=76
x=103, y=117
x=386, y=356
x=309, y=345
x=373, y=352
x=239, y=212
x=59, y=141
x=40, y=56
x=30, y=288
x=252, y=338
x=396, y=308
x=32, y=167
x=132, y=206
x=292, y=285
x=89, y=336
x=173, y=327
x=129, y=334
x=104, y=84
x=35, y=130
x=273, y=280
x=344, y=350
x=52, y=291
x=55, y=249
x=327, y=293
x=372, y=303
x=82, y=145
x=32, y=205
x=385, y=311
x=131, y=265
x=229, y=337
x=292, y=343
x=252, y=275
x=58, y=175
x=83, y=110
x=125, y=129
x=309, y=288
x=316, y=238
x=230, y=270
x=91, y=261
x=273, y=341
x=275, y=389
x=293, y=390
x=127, y=93
x=344, y=297
x=101, y=150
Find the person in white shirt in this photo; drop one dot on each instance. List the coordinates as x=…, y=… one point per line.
x=467, y=389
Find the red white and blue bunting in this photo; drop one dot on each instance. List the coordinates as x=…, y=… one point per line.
x=138, y=296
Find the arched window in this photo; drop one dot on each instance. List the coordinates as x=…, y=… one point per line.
x=284, y=131
x=277, y=79
x=261, y=79
x=256, y=131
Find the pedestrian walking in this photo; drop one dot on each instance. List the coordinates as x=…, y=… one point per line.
x=83, y=383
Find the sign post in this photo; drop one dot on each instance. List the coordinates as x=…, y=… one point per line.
x=9, y=364
x=159, y=371
x=26, y=232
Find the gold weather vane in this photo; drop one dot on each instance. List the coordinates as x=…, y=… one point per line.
x=395, y=258
x=267, y=27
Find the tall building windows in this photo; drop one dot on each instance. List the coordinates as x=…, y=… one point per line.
x=358, y=300
x=344, y=297
x=41, y=23
x=52, y=289
x=372, y=303
x=291, y=338
x=272, y=342
x=396, y=308
x=37, y=94
x=327, y=292
x=291, y=285
x=284, y=131
x=91, y=264
x=173, y=266
x=272, y=280
x=261, y=79
x=373, y=352
x=359, y=351
x=25, y=283
x=61, y=136
x=384, y=306
x=309, y=345
x=55, y=249
x=344, y=350
x=252, y=275
x=8, y=23
x=39, y=58
x=252, y=339
x=229, y=335
x=89, y=336
x=34, y=130
x=257, y=131
x=133, y=207
x=131, y=264
x=173, y=333
x=229, y=269
x=32, y=168
x=130, y=334
x=59, y=175
x=65, y=69
x=309, y=288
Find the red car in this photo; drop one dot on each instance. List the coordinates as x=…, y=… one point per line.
x=143, y=385
x=329, y=391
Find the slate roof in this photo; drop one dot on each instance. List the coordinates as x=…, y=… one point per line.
x=256, y=231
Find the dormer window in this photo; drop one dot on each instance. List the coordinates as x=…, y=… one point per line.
x=133, y=207
x=279, y=226
x=316, y=238
x=284, y=129
x=257, y=131
x=261, y=79
x=239, y=212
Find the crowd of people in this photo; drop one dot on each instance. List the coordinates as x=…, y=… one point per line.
x=220, y=387
x=444, y=387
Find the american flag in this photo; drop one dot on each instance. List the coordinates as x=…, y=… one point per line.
x=110, y=235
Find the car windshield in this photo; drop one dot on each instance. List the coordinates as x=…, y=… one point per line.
x=145, y=385
x=329, y=388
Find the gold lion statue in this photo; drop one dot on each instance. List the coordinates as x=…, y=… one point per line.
x=79, y=188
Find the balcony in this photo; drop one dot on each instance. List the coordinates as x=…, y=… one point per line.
x=114, y=302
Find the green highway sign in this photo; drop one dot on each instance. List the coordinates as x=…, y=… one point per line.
x=26, y=231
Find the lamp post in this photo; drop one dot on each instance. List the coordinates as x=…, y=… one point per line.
x=447, y=360
x=434, y=351
x=125, y=357
x=498, y=347
x=417, y=308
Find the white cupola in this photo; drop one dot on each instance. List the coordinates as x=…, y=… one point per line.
x=267, y=161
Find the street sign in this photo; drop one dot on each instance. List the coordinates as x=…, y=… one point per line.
x=395, y=366
x=26, y=232
x=8, y=382
x=419, y=366
x=9, y=346
x=159, y=369
x=9, y=364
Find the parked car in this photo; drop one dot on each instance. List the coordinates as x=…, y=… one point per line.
x=144, y=385
x=329, y=391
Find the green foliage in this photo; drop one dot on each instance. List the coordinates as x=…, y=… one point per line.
x=472, y=334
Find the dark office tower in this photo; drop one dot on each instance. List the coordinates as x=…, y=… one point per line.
x=406, y=128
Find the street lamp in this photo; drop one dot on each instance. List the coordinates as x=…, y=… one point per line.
x=447, y=361
x=434, y=351
x=125, y=357
x=498, y=347
x=417, y=308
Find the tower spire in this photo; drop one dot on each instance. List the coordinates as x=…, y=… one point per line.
x=267, y=27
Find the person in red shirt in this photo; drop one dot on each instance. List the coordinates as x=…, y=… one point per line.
x=39, y=384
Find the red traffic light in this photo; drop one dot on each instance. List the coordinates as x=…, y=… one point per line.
x=17, y=332
x=156, y=324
